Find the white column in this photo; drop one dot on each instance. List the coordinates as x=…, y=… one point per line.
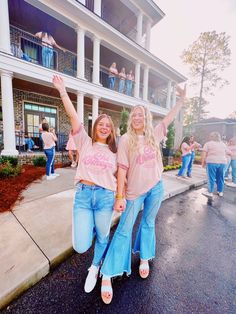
x=96, y=60
x=173, y=96
x=137, y=80
x=148, y=34
x=80, y=106
x=80, y=52
x=4, y=28
x=98, y=7
x=139, y=28
x=95, y=108
x=168, y=96
x=145, y=83
x=8, y=115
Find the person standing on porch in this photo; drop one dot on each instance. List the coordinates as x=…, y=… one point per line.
x=113, y=72
x=140, y=167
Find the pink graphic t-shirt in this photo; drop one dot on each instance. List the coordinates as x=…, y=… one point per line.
x=97, y=163
x=216, y=152
x=144, y=167
x=185, y=149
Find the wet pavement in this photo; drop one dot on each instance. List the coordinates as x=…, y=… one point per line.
x=194, y=270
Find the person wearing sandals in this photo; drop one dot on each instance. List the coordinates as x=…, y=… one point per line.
x=139, y=167
x=95, y=184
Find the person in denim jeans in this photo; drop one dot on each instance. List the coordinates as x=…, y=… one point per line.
x=186, y=157
x=232, y=162
x=95, y=184
x=112, y=74
x=49, y=138
x=194, y=146
x=139, y=173
x=214, y=158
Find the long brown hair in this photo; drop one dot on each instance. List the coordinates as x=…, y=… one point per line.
x=111, y=140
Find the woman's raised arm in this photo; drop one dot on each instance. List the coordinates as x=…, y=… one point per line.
x=59, y=84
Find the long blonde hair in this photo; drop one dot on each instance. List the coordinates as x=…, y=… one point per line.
x=148, y=131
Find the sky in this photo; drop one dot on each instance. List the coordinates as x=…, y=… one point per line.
x=183, y=22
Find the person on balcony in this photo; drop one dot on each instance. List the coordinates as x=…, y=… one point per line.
x=112, y=74
x=129, y=83
x=48, y=42
x=122, y=77
x=139, y=173
x=95, y=184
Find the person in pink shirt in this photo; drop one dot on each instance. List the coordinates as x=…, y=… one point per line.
x=139, y=175
x=49, y=139
x=194, y=146
x=214, y=158
x=186, y=157
x=232, y=148
x=70, y=146
x=95, y=184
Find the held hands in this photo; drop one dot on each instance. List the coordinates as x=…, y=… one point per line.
x=58, y=83
x=120, y=205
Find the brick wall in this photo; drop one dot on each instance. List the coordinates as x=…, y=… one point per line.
x=27, y=159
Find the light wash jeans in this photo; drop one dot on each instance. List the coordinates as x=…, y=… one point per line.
x=190, y=165
x=47, y=54
x=121, y=86
x=118, y=257
x=129, y=86
x=92, y=215
x=50, y=154
x=215, y=173
x=185, y=162
x=111, y=82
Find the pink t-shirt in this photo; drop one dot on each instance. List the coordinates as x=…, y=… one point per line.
x=216, y=152
x=143, y=167
x=48, y=140
x=97, y=163
x=185, y=149
x=232, y=148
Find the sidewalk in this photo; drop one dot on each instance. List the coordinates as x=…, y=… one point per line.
x=36, y=235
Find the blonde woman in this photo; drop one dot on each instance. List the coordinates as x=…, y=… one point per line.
x=215, y=160
x=140, y=167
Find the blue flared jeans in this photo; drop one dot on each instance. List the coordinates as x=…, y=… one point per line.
x=118, y=257
x=185, y=162
x=215, y=174
x=50, y=154
x=190, y=165
x=92, y=216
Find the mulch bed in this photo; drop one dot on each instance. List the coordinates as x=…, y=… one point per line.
x=12, y=187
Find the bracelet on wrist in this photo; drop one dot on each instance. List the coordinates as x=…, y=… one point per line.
x=63, y=94
x=119, y=197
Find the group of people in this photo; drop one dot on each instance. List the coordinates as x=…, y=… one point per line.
x=124, y=178
x=125, y=80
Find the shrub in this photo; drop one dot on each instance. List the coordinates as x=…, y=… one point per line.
x=8, y=170
x=12, y=160
x=39, y=161
x=177, y=154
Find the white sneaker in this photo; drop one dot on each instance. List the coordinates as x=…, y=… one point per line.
x=208, y=194
x=55, y=175
x=74, y=164
x=91, y=279
x=220, y=193
x=51, y=177
x=231, y=184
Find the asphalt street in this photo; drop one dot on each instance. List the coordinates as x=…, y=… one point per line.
x=193, y=272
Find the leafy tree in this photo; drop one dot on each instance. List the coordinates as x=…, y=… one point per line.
x=232, y=115
x=170, y=136
x=193, y=108
x=207, y=57
x=124, y=121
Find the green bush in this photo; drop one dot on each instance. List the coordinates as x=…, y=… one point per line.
x=177, y=154
x=39, y=161
x=12, y=160
x=8, y=170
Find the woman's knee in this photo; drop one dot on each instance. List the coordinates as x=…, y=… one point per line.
x=80, y=247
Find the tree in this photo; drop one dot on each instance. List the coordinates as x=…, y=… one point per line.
x=193, y=108
x=170, y=136
x=232, y=115
x=124, y=121
x=207, y=57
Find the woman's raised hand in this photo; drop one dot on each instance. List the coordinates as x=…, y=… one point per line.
x=181, y=92
x=58, y=83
